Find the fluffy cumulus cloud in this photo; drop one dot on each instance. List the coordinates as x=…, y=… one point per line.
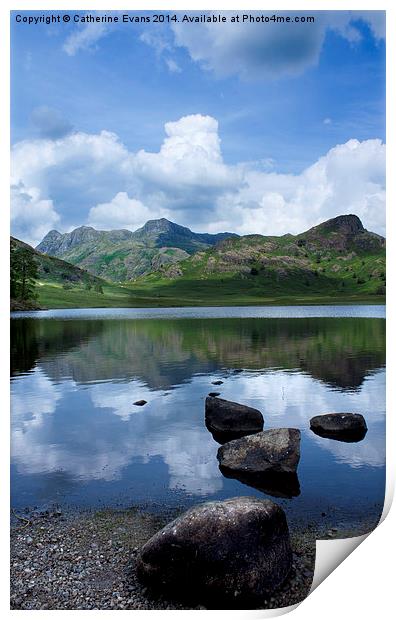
x=261, y=50
x=31, y=217
x=188, y=171
x=121, y=212
x=82, y=178
x=65, y=177
x=350, y=178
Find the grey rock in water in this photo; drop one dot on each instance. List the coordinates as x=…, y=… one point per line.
x=348, y=427
x=140, y=403
x=213, y=394
x=276, y=451
x=237, y=551
x=217, y=382
x=227, y=420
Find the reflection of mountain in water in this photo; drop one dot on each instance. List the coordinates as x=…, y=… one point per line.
x=163, y=353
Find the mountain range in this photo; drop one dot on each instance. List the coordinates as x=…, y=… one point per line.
x=163, y=264
x=121, y=255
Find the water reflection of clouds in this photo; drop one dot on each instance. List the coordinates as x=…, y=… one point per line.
x=291, y=399
x=33, y=398
x=111, y=433
x=188, y=451
x=370, y=451
x=119, y=397
x=135, y=434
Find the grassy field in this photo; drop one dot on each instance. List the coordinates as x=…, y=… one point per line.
x=53, y=295
x=173, y=293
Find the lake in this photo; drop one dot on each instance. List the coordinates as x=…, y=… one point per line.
x=77, y=440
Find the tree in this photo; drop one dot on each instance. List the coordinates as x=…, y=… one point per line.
x=99, y=289
x=23, y=273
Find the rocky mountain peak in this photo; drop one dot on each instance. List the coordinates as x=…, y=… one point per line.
x=158, y=227
x=345, y=224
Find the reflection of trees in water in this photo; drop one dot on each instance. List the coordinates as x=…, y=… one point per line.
x=33, y=340
x=24, y=346
x=162, y=353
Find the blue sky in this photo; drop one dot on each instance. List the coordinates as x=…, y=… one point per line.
x=284, y=125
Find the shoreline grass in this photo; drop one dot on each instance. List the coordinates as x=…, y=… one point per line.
x=52, y=296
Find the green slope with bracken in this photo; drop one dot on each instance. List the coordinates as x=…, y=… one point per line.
x=62, y=285
x=120, y=255
x=336, y=261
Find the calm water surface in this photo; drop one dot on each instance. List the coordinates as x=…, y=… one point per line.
x=78, y=440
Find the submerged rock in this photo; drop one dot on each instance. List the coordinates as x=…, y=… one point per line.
x=214, y=394
x=237, y=550
x=217, y=382
x=349, y=427
x=140, y=403
x=227, y=420
x=276, y=451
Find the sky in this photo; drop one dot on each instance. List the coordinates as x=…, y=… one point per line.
x=261, y=127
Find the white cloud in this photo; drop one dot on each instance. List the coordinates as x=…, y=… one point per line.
x=189, y=160
x=172, y=65
x=31, y=217
x=350, y=178
x=162, y=45
x=250, y=50
x=262, y=50
x=95, y=179
x=85, y=38
x=156, y=39
x=120, y=212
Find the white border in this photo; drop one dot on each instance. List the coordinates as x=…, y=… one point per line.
x=363, y=586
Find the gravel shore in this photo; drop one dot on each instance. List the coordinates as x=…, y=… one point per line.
x=87, y=561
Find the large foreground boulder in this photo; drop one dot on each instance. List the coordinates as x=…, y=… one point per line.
x=349, y=427
x=276, y=451
x=227, y=420
x=236, y=551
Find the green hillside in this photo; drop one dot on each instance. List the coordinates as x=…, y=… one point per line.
x=121, y=255
x=62, y=285
x=336, y=261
